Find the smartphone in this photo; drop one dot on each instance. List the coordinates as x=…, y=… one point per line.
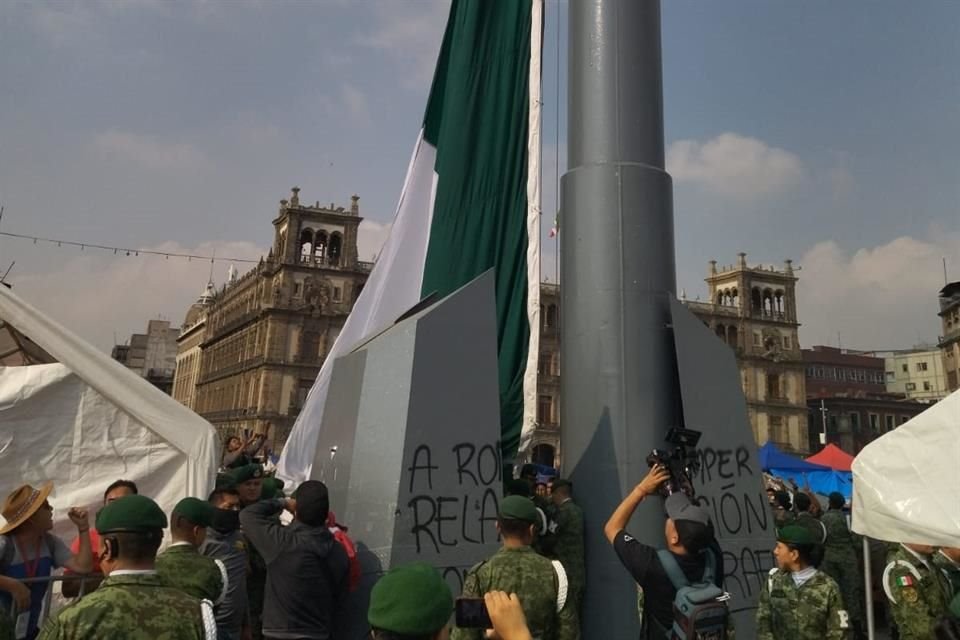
x=472, y=614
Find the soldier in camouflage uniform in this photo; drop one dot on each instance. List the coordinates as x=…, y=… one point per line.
x=568, y=545
x=517, y=568
x=181, y=565
x=840, y=558
x=782, y=509
x=132, y=603
x=917, y=591
x=799, y=602
x=947, y=559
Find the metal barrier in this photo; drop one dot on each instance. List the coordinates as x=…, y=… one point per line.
x=48, y=594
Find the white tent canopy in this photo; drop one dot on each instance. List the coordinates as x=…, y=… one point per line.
x=86, y=420
x=906, y=484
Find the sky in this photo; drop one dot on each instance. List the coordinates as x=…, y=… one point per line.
x=823, y=132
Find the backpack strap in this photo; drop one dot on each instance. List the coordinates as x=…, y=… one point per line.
x=562, y=584
x=886, y=576
x=672, y=569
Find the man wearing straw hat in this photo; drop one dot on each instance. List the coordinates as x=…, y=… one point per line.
x=28, y=550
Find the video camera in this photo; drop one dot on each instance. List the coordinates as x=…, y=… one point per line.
x=682, y=462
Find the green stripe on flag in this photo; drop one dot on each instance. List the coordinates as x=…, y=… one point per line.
x=477, y=119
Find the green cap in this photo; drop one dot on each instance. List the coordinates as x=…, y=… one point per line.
x=195, y=510
x=225, y=481
x=411, y=600
x=796, y=534
x=246, y=472
x=272, y=488
x=131, y=513
x=519, y=508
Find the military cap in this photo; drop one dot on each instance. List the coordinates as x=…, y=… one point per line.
x=560, y=483
x=272, y=488
x=796, y=534
x=138, y=514
x=246, y=472
x=410, y=600
x=199, y=512
x=225, y=481
x=519, y=508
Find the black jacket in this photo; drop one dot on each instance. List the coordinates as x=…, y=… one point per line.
x=307, y=574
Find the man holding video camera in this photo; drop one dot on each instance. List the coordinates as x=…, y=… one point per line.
x=688, y=535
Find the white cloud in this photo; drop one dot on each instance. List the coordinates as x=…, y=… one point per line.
x=371, y=237
x=97, y=295
x=150, y=152
x=878, y=298
x=410, y=34
x=734, y=166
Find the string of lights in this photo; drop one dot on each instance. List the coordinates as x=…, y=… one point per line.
x=124, y=250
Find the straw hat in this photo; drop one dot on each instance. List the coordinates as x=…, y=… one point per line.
x=22, y=503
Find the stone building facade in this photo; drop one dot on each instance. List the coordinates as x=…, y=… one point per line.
x=255, y=350
x=754, y=310
x=152, y=354
x=545, y=446
x=949, y=342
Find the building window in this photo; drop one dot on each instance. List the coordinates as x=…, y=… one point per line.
x=906, y=368
x=927, y=386
x=787, y=343
x=875, y=423
x=545, y=410
x=889, y=422
x=777, y=432
x=904, y=419
x=337, y=294
x=921, y=366
x=861, y=376
x=855, y=422
x=911, y=386
x=297, y=289
x=891, y=376
x=756, y=338
x=774, y=392
x=810, y=372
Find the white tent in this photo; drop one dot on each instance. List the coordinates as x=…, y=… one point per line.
x=86, y=420
x=906, y=484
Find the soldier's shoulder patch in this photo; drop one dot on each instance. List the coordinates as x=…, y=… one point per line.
x=909, y=594
x=240, y=545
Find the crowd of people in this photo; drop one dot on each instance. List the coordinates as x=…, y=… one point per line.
x=250, y=562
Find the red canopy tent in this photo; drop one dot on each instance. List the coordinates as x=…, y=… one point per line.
x=834, y=457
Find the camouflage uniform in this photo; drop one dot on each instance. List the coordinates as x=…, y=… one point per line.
x=917, y=600
x=182, y=566
x=840, y=561
x=813, y=524
x=532, y=577
x=130, y=607
x=950, y=571
x=568, y=548
x=812, y=611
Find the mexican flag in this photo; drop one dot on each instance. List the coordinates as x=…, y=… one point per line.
x=470, y=202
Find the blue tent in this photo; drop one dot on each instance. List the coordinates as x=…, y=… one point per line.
x=772, y=459
x=820, y=479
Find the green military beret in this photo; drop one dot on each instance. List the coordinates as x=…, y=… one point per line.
x=796, y=534
x=199, y=512
x=246, y=472
x=272, y=488
x=519, y=508
x=131, y=513
x=225, y=481
x=411, y=600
